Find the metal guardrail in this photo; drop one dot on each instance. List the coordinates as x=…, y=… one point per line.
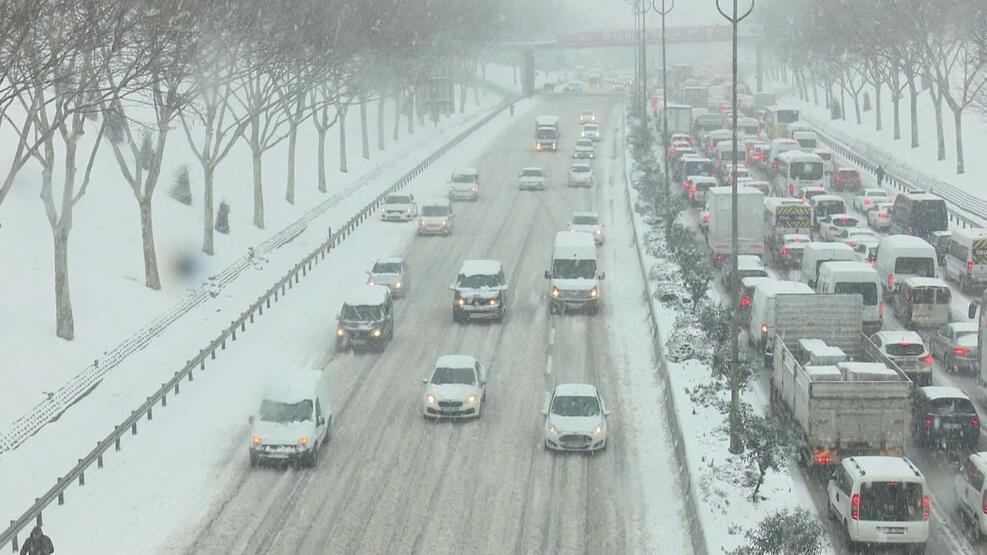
x=965, y=209
x=229, y=334
x=698, y=533
x=52, y=407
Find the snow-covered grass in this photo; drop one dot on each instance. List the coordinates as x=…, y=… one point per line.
x=137, y=514
x=719, y=480
x=109, y=297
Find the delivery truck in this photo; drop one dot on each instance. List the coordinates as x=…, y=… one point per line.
x=750, y=222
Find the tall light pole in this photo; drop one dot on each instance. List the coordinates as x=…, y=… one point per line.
x=641, y=8
x=736, y=418
x=664, y=108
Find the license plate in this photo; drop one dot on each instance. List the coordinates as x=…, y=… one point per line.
x=358, y=341
x=951, y=426
x=893, y=530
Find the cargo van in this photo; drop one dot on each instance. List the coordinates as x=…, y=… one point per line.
x=918, y=214
x=781, y=145
x=902, y=256
x=854, y=278
x=829, y=162
x=294, y=419
x=826, y=205
x=796, y=170
x=574, y=281
x=807, y=140
x=966, y=259
x=761, y=329
x=796, y=127
x=817, y=252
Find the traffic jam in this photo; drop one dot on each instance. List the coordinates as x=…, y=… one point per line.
x=862, y=303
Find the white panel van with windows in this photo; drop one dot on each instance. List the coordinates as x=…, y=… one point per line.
x=902, y=256
x=854, y=278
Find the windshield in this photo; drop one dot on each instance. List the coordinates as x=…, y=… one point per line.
x=463, y=178
x=574, y=269
x=361, y=313
x=867, y=290
x=477, y=281
x=584, y=220
x=532, y=172
x=283, y=413
x=546, y=133
x=575, y=406
x=953, y=405
x=397, y=199
x=904, y=349
x=930, y=215
x=694, y=167
x=443, y=376
x=387, y=268
x=807, y=143
x=891, y=501
x=786, y=116
x=580, y=169
x=435, y=211
x=929, y=295
x=826, y=207
x=591, y=127
x=806, y=170
x=584, y=143
x=914, y=266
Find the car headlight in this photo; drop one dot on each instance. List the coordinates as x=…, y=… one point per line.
x=407, y=211
x=256, y=440
x=303, y=441
x=471, y=400
x=552, y=429
x=473, y=189
x=593, y=293
x=598, y=231
x=422, y=222
x=445, y=223
x=340, y=332
x=555, y=292
x=375, y=333
x=492, y=302
x=450, y=187
x=598, y=430
x=398, y=285
x=460, y=301
x=371, y=282
x=430, y=399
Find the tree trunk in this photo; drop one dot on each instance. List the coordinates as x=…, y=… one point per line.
x=815, y=94
x=958, y=127
x=258, y=155
x=514, y=69
x=856, y=107
x=878, y=125
x=322, y=158
x=913, y=109
x=895, y=105
x=289, y=190
x=397, y=114
x=207, y=208
x=411, y=112
x=364, y=129
x=476, y=95
x=842, y=102
x=462, y=97
x=151, y=277
x=380, y=123
x=940, y=134
x=342, y=138
x=65, y=321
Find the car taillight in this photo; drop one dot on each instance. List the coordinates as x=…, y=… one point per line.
x=969, y=266
x=706, y=219
x=823, y=459
x=719, y=257
x=960, y=351
x=984, y=502
x=927, y=359
x=774, y=166
x=867, y=202
x=975, y=422
x=745, y=301
x=891, y=281
x=855, y=506
x=784, y=251
x=880, y=309
x=882, y=215
x=692, y=192
x=791, y=189
x=926, y=507
x=928, y=421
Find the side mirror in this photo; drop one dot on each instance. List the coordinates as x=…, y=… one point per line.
x=544, y=412
x=548, y=275
x=606, y=412
x=483, y=382
x=452, y=286
x=339, y=315
x=250, y=419
x=503, y=288
x=602, y=276
x=425, y=380
x=971, y=312
x=320, y=422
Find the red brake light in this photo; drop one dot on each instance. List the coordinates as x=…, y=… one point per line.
x=926, y=507
x=855, y=506
x=985, y=502
x=882, y=215
x=719, y=257
x=891, y=281
x=975, y=421
x=927, y=360
x=706, y=219
x=969, y=266
x=928, y=421
x=880, y=308
x=784, y=251
x=867, y=202
x=960, y=351
x=745, y=301
x=823, y=459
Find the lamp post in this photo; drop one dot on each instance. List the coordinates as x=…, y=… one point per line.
x=641, y=8
x=664, y=108
x=736, y=423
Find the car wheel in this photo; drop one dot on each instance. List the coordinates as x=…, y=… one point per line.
x=253, y=460
x=312, y=458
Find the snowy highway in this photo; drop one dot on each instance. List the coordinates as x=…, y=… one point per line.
x=389, y=481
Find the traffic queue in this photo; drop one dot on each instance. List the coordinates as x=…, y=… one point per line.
x=854, y=315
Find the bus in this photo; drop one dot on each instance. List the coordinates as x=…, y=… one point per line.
x=777, y=118
x=797, y=170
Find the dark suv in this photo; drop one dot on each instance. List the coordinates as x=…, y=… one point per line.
x=918, y=214
x=944, y=416
x=366, y=321
x=479, y=292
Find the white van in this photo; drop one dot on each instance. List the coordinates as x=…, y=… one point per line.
x=851, y=278
x=762, y=318
x=880, y=500
x=573, y=278
x=294, y=419
x=795, y=127
x=807, y=140
x=901, y=256
x=795, y=170
x=817, y=252
x=781, y=145
x=826, y=205
x=966, y=259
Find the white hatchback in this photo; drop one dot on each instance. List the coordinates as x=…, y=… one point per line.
x=575, y=419
x=456, y=388
x=580, y=175
x=867, y=198
x=588, y=222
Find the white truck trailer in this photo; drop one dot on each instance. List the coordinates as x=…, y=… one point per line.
x=750, y=222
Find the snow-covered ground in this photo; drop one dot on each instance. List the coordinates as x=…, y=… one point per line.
x=717, y=477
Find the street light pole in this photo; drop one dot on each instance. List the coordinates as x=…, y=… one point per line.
x=641, y=8
x=664, y=107
x=736, y=418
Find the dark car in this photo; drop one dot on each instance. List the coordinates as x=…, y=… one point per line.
x=918, y=214
x=366, y=321
x=945, y=417
x=846, y=179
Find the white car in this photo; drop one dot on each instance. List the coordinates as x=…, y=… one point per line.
x=532, y=178
x=588, y=222
x=436, y=218
x=580, y=175
x=831, y=226
x=584, y=149
x=399, y=207
x=879, y=217
x=587, y=116
x=392, y=273
x=575, y=419
x=748, y=265
x=591, y=131
x=456, y=388
x=854, y=235
x=907, y=349
x=867, y=198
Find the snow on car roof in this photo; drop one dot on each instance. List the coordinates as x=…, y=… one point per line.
x=575, y=390
x=749, y=262
x=884, y=468
x=783, y=287
x=577, y=239
x=755, y=281
x=455, y=361
x=969, y=233
x=850, y=266
x=581, y=165
x=964, y=326
x=532, y=169
x=404, y=198
x=390, y=260
x=916, y=281
x=701, y=178
x=367, y=295
x=900, y=336
x=902, y=241
x=934, y=392
x=796, y=237
x=480, y=267
x=873, y=191
x=436, y=202
x=585, y=215
x=294, y=385
x=799, y=156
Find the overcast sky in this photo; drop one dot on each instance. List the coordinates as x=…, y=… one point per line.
x=616, y=14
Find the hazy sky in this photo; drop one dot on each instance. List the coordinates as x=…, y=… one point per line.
x=616, y=14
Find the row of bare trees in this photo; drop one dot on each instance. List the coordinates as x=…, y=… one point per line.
x=80, y=75
x=906, y=47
